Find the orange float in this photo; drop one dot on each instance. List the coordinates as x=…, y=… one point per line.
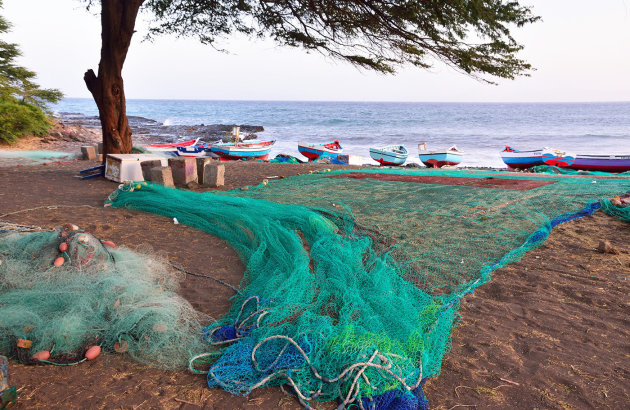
x=93, y=352
x=43, y=355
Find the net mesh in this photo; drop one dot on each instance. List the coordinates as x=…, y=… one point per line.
x=353, y=278
x=63, y=291
x=13, y=158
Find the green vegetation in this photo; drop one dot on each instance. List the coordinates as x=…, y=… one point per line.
x=23, y=104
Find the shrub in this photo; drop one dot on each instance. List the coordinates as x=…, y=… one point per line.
x=18, y=119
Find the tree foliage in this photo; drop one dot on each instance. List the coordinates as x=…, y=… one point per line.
x=17, y=82
x=472, y=36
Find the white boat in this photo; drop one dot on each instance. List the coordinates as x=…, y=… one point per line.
x=390, y=155
x=439, y=158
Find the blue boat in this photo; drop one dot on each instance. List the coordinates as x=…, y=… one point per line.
x=437, y=159
x=390, y=155
x=315, y=151
x=234, y=151
x=514, y=158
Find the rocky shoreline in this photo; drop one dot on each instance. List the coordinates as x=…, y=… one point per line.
x=73, y=130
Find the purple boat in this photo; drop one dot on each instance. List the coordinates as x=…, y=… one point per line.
x=605, y=163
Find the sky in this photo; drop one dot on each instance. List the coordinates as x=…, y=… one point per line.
x=581, y=52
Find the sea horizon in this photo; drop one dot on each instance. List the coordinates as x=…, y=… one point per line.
x=481, y=130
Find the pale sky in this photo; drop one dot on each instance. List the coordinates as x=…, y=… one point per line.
x=581, y=51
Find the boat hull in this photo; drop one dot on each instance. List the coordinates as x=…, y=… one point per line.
x=314, y=151
x=438, y=160
x=384, y=157
x=232, y=151
x=169, y=149
x=522, y=159
x=604, y=163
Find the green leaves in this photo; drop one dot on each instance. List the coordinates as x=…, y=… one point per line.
x=473, y=36
x=23, y=104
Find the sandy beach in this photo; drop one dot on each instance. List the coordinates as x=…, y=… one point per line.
x=550, y=331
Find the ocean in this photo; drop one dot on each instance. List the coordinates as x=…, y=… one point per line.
x=481, y=130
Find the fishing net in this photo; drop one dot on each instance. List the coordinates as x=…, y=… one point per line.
x=64, y=291
x=354, y=278
x=13, y=158
x=548, y=169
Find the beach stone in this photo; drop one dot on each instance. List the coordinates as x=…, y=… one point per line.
x=201, y=165
x=214, y=175
x=606, y=247
x=162, y=175
x=88, y=152
x=147, y=166
x=184, y=170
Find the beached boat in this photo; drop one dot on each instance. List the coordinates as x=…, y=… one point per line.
x=390, y=155
x=240, y=150
x=437, y=159
x=605, y=163
x=314, y=151
x=197, y=150
x=168, y=149
x=514, y=158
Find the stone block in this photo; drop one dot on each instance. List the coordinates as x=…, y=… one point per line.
x=99, y=148
x=99, y=157
x=214, y=175
x=201, y=164
x=88, y=152
x=162, y=175
x=146, y=167
x=184, y=170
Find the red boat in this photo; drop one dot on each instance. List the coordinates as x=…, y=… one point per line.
x=170, y=149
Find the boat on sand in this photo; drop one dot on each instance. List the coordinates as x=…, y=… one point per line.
x=514, y=158
x=242, y=150
x=315, y=151
x=389, y=155
x=439, y=158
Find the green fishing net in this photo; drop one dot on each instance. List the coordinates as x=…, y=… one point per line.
x=354, y=278
x=13, y=158
x=64, y=291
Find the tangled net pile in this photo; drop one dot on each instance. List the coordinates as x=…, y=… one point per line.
x=64, y=291
x=353, y=278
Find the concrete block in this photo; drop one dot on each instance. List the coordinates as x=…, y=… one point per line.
x=99, y=148
x=126, y=167
x=201, y=164
x=351, y=159
x=214, y=175
x=88, y=152
x=162, y=175
x=184, y=170
x=146, y=167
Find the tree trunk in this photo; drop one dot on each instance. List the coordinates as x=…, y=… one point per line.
x=118, y=19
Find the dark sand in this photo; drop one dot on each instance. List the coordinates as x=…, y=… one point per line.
x=551, y=331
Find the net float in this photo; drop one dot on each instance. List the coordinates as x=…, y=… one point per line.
x=63, y=234
x=93, y=352
x=24, y=343
x=109, y=244
x=83, y=238
x=121, y=347
x=59, y=261
x=43, y=355
x=63, y=247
